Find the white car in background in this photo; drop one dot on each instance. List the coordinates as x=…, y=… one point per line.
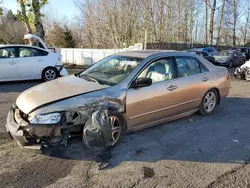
x=27, y=62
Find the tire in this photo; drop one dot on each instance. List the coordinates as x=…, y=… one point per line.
x=230, y=64
x=211, y=95
x=50, y=73
x=119, y=124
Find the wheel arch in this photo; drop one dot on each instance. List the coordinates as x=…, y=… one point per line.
x=47, y=68
x=218, y=94
x=121, y=115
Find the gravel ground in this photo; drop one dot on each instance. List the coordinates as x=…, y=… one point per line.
x=192, y=152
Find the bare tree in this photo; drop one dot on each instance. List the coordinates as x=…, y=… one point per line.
x=206, y=20
x=235, y=13
x=220, y=22
x=11, y=29
x=246, y=24
x=212, y=7
x=120, y=23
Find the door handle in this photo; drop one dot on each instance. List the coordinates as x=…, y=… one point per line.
x=12, y=62
x=172, y=87
x=205, y=79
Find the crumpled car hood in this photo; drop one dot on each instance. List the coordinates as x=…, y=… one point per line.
x=55, y=90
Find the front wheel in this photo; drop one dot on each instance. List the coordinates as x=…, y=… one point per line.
x=49, y=74
x=118, y=126
x=208, y=102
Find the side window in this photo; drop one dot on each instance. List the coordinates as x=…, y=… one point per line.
x=203, y=68
x=187, y=66
x=7, y=53
x=210, y=50
x=204, y=54
x=31, y=52
x=159, y=70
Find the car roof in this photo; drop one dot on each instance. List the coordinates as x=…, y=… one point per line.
x=197, y=49
x=19, y=45
x=194, y=50
x=146, y=53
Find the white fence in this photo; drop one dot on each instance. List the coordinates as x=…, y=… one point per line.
x=82, y=56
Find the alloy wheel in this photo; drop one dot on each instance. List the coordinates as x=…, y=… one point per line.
x=116, y=129
x=50, y=74
x=210, y=102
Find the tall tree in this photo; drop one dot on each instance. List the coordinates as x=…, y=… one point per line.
x=22, y=15
x=32, y=9
x=246, y=24
x=235, y=13
x=212, y=7
x=206, y=20
x=221, y=20
x=36, y=7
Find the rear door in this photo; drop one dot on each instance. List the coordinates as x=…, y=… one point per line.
x=8, y=64
x=192, y=83
x=31, y=62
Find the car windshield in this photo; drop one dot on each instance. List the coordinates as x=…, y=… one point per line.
x=225, y=53
x=111, y=70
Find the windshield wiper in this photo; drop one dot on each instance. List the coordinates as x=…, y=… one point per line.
x=89, y=78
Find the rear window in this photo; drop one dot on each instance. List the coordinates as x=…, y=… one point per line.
x=188, y=66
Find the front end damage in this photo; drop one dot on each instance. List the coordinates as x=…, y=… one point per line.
x=243, y=72
x=31, y=136
x=71, y=124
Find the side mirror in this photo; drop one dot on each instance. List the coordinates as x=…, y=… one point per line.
x=234, y=55
x=142, y=82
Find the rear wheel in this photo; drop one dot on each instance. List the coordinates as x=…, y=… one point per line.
x=209, y=102
x=49, y=74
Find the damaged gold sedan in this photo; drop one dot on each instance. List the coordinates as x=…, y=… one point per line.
x=138, y=89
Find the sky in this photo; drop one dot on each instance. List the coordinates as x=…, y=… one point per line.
x=64, y=8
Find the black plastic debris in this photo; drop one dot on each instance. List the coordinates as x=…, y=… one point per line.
x=97, y=136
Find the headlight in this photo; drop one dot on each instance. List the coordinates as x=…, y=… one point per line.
x=46, y=119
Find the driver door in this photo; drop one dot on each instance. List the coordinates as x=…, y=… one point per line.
x=147, y=106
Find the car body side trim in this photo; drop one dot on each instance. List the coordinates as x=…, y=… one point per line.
x=154, y=111
x=178, y=116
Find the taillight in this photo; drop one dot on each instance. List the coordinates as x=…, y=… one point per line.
x=228, y=76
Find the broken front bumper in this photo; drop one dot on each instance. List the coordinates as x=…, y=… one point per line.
x=28, y=135
x=15, y=130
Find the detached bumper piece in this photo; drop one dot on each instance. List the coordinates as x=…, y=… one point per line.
x=62, y=71
x=97, y=137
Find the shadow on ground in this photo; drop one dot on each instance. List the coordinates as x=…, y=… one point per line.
x=220, y=138
x=18, y=86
